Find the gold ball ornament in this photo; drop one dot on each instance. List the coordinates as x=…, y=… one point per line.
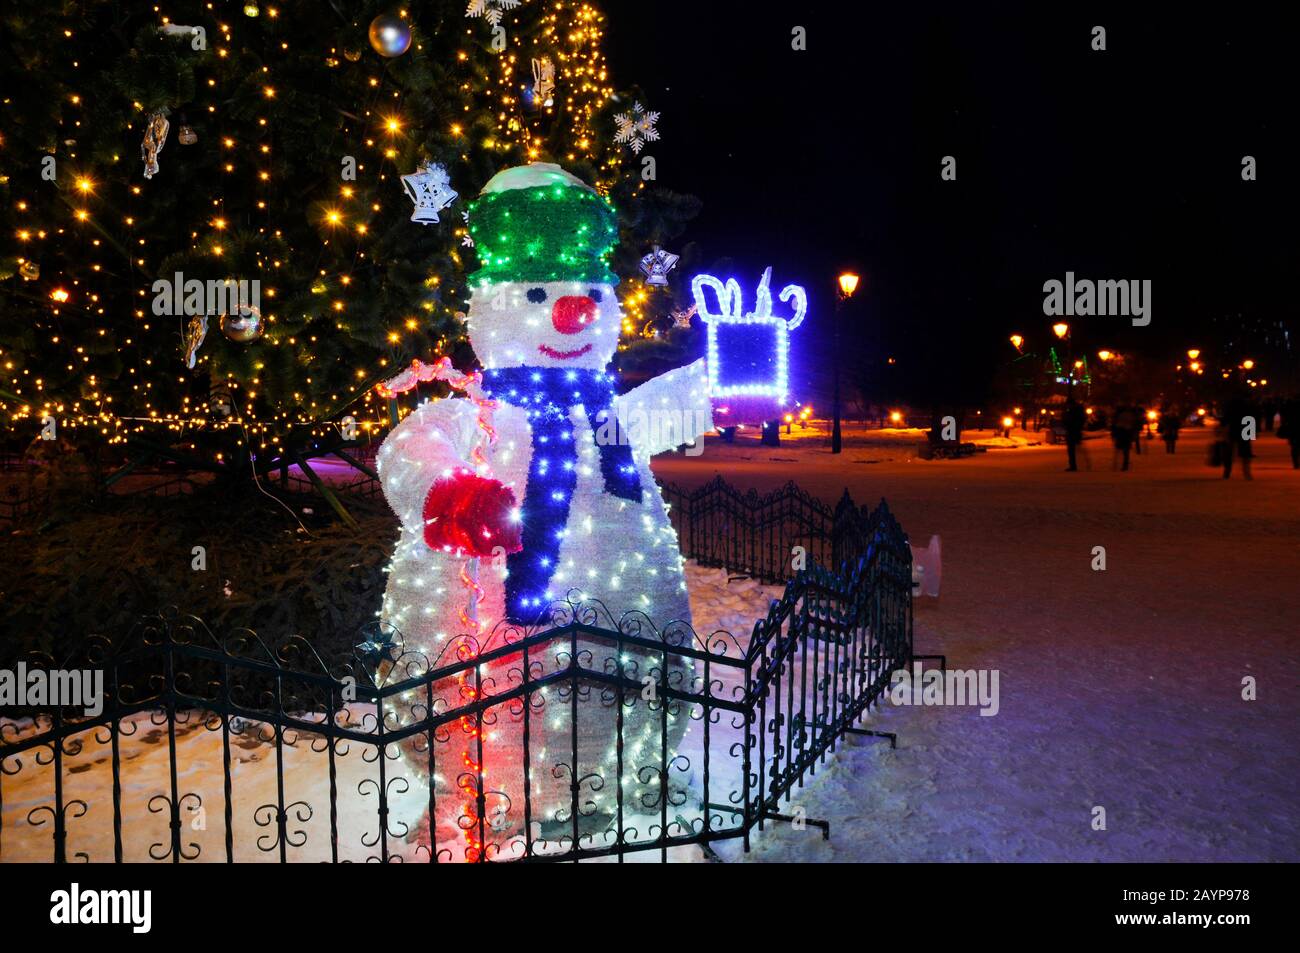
x=389, y=35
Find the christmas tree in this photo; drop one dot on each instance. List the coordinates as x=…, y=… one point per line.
x=299, y=164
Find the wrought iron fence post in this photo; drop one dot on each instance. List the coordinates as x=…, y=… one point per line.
x=226, y=782
x=480, y=799
x=663, y=752
x=381, y=749
x=114, y=727
x=60, y=830
x=749, y=741
x=281, y=816
x=331, y=716
x=170, y=657
x=573, y=728
x=528, y=759
x=618, y=747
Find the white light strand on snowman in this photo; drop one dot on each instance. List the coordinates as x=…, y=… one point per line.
x=565, y=490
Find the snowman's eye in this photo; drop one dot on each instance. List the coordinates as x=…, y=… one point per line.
x=594, y=294
x=536, y=295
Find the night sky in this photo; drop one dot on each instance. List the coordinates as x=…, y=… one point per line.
x=1117, y=164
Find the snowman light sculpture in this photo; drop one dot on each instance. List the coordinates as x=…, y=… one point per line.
x=539, y=487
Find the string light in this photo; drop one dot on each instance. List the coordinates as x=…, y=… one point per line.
x=145, y=394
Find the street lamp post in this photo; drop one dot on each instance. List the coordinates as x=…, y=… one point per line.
x=848, y=282
x=1062, y=331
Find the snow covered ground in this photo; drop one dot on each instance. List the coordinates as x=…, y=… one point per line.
x=1119, y=689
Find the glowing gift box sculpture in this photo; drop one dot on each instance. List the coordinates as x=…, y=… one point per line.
x=748, y=353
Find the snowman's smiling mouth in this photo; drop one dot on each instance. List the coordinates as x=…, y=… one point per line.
x=563, y=355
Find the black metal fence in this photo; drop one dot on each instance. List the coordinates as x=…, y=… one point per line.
x=766, y=535
x=590, y=736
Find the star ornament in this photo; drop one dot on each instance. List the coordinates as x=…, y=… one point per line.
x=656, y=265
x=378, y=644
x=429, y=188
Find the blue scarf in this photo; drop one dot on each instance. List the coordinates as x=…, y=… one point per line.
x=546, y=394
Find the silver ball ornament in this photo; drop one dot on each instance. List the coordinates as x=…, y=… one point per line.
x=389, y=35
x=243, y=326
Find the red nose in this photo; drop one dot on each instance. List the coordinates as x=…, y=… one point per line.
x=573, y=313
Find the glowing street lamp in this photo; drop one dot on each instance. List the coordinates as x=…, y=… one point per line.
x=1016, y=341
x=1061, y=329
x=848, y=283
x=1193, y=353
x=1248, y=364
x=1105, y=355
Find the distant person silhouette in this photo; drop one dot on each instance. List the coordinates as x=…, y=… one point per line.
x=1289, y=429
x=1237, y=411
x=1121, y=434
x=1074, y=418
x=1168, y=427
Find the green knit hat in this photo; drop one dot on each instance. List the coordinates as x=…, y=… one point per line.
x=538, y=223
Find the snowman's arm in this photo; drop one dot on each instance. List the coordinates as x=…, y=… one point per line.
x=426, y=446
x=667, y=411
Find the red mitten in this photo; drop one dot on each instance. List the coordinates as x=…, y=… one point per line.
x=470, y=513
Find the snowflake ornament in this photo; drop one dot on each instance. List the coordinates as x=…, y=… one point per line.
x=467, y=240
x=429, y=187
x=636, y=128
x=490, y=10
